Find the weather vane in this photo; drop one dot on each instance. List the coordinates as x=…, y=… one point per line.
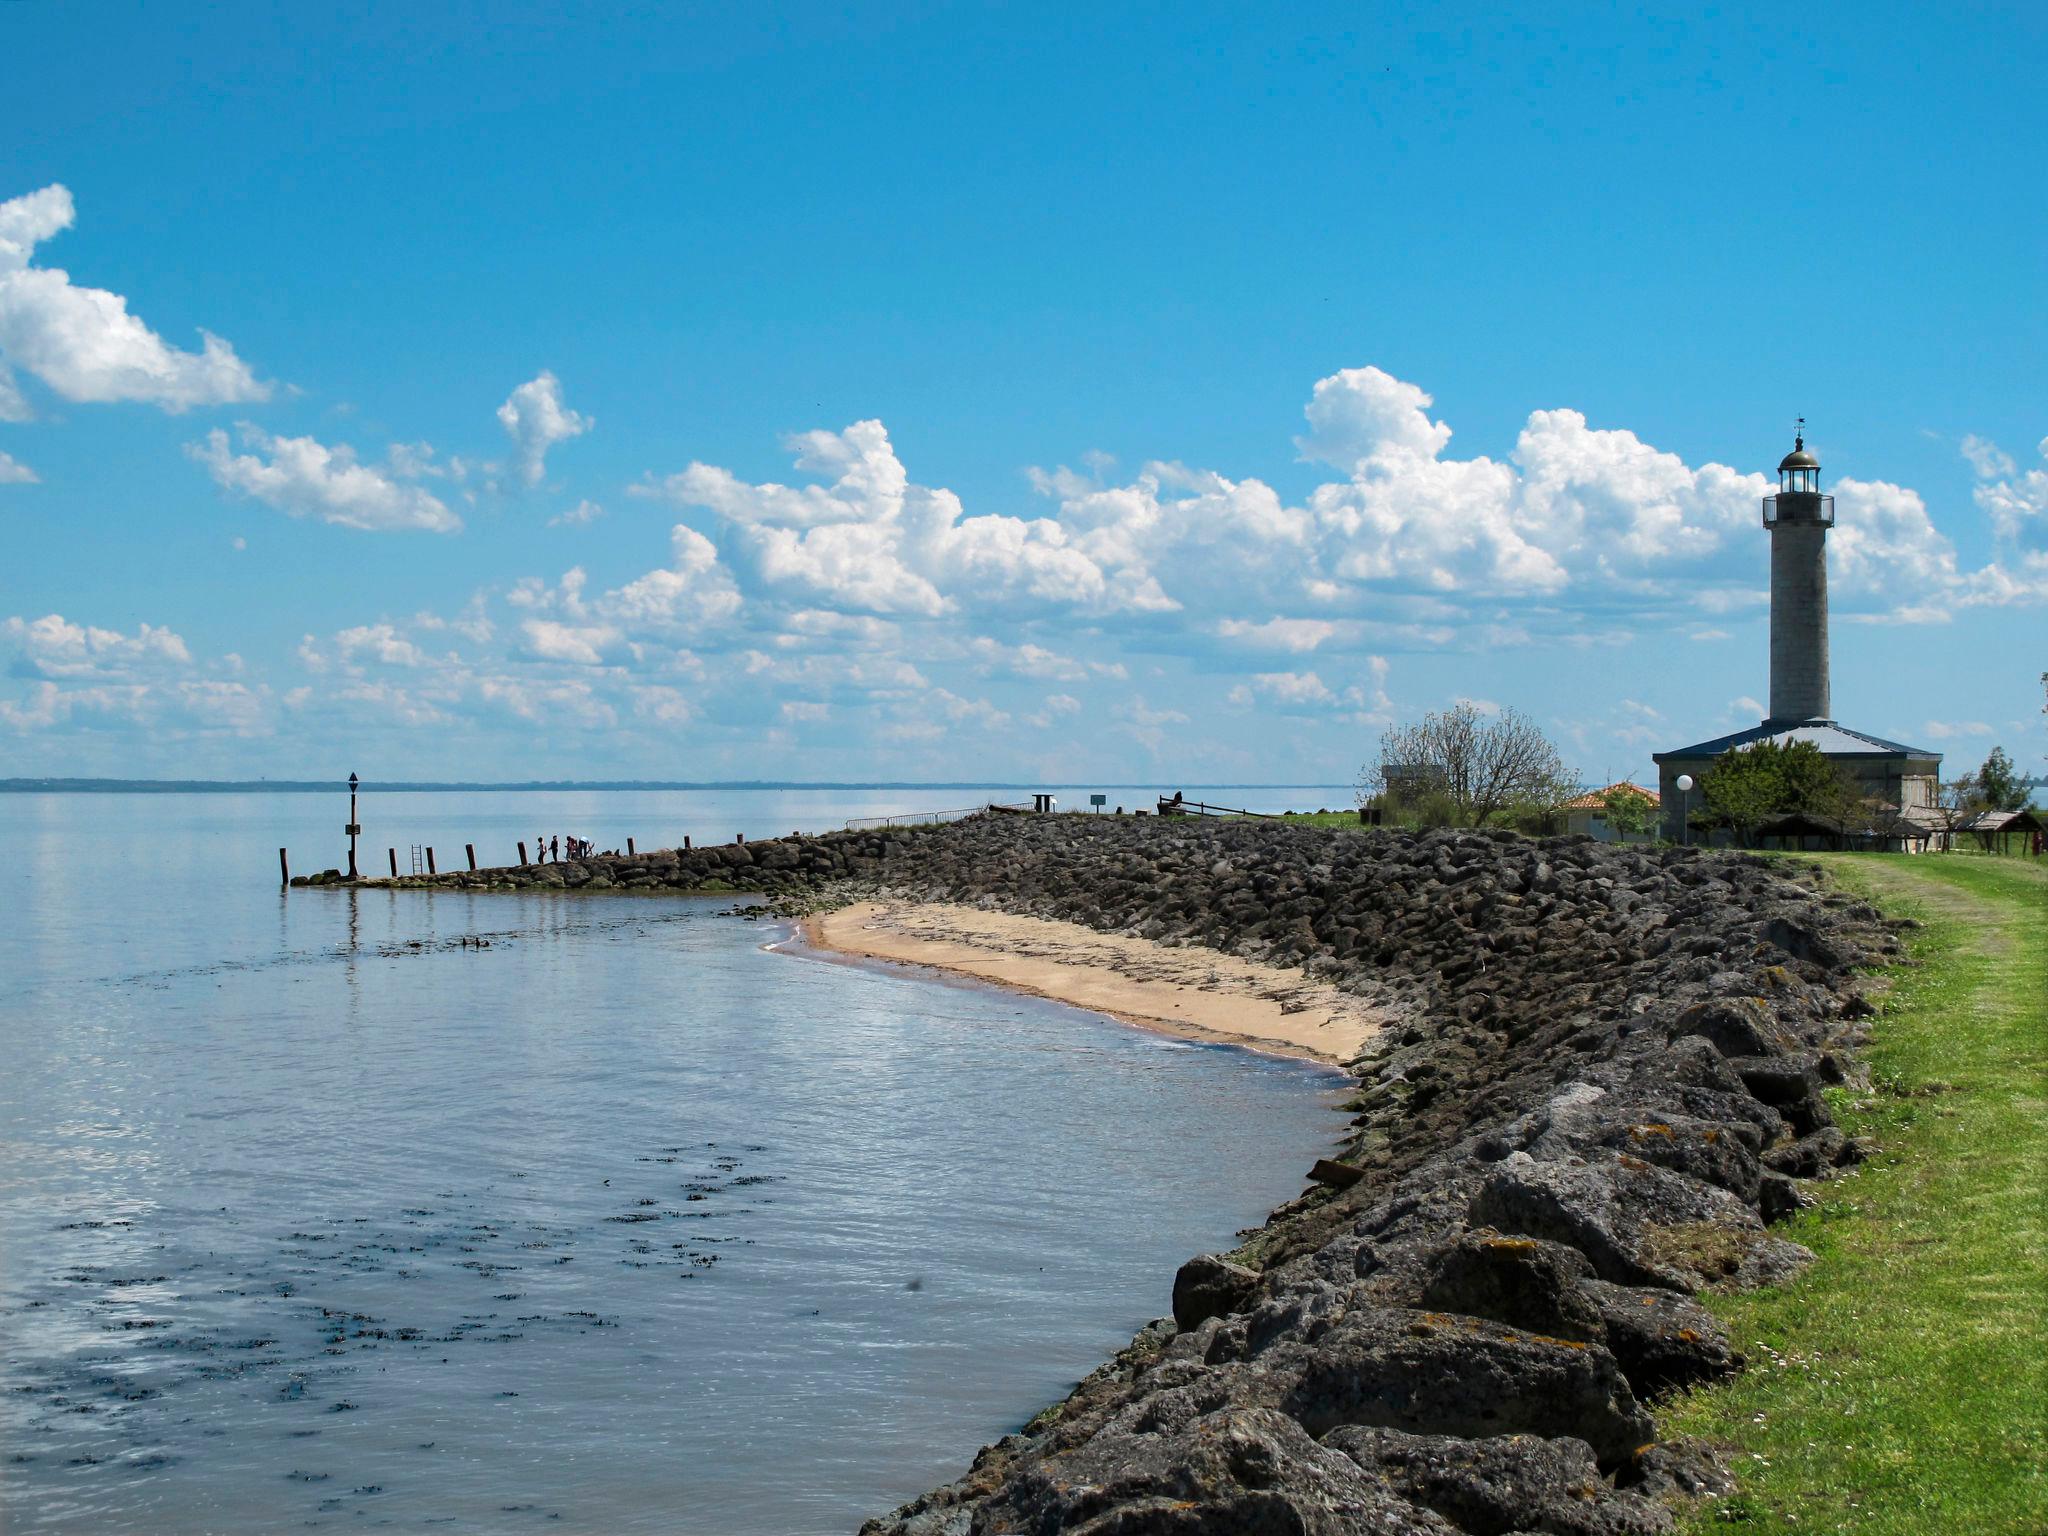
x=1799, y=433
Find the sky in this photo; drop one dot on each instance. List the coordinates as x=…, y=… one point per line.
x=1117, y=394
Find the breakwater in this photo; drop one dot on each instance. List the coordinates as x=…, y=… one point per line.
x=1605, y=1088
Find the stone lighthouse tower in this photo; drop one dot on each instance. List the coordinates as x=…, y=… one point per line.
x=1799, y=518
x=1890, y=781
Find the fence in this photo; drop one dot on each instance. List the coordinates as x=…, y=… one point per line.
x=918, y=818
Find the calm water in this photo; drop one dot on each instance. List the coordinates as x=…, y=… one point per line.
x=314, y=1214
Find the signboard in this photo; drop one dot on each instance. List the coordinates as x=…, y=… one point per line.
x=1098, y=799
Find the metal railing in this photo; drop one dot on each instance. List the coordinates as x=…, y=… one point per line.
x=1822, y=505
x=912, y=818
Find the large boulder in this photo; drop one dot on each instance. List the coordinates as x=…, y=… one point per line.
x=1437, y=1373
x=1211, y=1286
x=1232, y=1472
x=1506, y=1483
x=1610, y=1208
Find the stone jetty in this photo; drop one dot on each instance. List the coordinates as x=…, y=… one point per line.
x=1602, y=1091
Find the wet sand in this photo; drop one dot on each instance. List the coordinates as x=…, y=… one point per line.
x=1194, y=992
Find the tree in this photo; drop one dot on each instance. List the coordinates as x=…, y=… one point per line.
x=1482, y=763
x=1998, y=782
x=1629, y=811
x=1751, y=785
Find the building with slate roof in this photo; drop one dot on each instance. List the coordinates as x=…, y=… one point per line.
x=1899, y=776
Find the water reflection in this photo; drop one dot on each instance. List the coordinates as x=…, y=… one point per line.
x=333, y=1212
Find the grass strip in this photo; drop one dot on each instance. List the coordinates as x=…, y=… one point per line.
x=1901, y=1384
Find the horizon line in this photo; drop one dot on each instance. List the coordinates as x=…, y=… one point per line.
x=56, y=784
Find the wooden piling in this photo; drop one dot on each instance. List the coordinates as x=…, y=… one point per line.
x=470, y=849
x=394, y=862
x=739, y=837
x=686, y=842
x=522, y=853
x=430, y=860
x=631, y=851
x=284, y=868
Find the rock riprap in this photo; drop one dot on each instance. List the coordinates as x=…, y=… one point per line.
x=1602, y=1088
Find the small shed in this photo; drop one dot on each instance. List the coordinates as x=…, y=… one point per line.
x=1996, y=829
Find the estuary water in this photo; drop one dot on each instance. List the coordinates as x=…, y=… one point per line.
x=488, y=1212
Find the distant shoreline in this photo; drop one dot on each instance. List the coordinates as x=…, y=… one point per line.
x=56, y=786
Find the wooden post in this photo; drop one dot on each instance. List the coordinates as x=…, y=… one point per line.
x=430, y=860
x=739, y=837
x=284, y=869
x=631, y=851
x=470, y=849
x=522, y=851
x=394, y=862
x=686, y=842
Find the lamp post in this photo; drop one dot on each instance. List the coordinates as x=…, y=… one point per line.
x=353, y=829
x=1684, y=823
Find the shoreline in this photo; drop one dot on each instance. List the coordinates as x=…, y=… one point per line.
x=1192, y=993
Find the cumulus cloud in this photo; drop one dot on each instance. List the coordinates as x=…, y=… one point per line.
x=82, y=342
x=1280, y=634
x=54, y=647
x=1573, y=507
x=14, y=472
x=2016, y=504
x=304, y=478
x=1287, y=689
x=85, y=677
x=535, y=417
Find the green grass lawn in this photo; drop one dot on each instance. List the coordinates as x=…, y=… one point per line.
x=1901, y=1384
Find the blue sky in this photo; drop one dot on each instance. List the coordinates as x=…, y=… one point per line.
x=940, y=392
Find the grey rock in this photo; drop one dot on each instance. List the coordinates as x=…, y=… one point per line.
x=1504, y=1484
x=1211, y=1286
x=1661, y=1339
x=1521, y=1281
x=1439, y=1373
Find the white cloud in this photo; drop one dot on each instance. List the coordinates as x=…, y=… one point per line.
x=1986, y=457
x=381, y=643
x=1885, y=544
x=91, y=678
x=82, y=342
x=1280, y=634
x=1055, y=707
x=1287, y=689
x=2016, y=503
x=1025, y=659
x=577, y=516
x=54, y=647
x=581, y=644
x=305, y=478
x=535, y=418
x=14, y=404
x=1945, y=730
x=14, y=472
x=1361, y=416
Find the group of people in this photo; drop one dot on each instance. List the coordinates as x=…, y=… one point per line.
x=549, y=849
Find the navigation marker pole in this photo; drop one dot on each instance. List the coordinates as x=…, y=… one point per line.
x=352, y=829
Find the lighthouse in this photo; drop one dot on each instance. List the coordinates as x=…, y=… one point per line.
x=1882, y=773
x=1798, y=519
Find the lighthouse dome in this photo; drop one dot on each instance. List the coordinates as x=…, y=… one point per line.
x=1798, y=458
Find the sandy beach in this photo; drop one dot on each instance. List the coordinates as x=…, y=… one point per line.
x=1193, y=992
